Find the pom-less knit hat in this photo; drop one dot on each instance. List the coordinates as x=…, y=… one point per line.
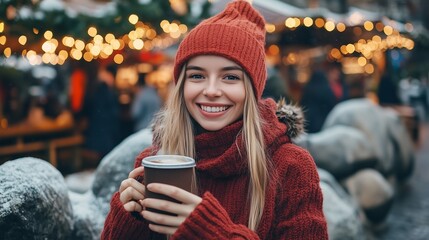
x=237, y=33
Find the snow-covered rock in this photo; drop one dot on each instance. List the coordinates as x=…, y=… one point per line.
x=115, y=166
x=33, y=201
x=87, y=215
x=91, y=208
x=36, y=203
x=341, y=150
x=80, y=182
x=373, y=193
x=383, y=130
x=341, y=211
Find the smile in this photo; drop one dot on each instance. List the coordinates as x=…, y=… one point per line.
x=210, y=109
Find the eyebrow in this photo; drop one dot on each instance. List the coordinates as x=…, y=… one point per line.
x=190, y=67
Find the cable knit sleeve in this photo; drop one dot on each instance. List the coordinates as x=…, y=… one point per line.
x=121, y=224
x=209, y=220
x=300, y=198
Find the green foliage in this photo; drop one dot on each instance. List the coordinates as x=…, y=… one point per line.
x=13, y=76
x=152, y=13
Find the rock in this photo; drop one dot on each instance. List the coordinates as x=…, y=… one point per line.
x=383, y=130
x=88, y=218
x=91, y=208
x=80, y=182
x=115, y=167
x=34, y=203
x=403, y=145
x=341, y=150
x=342, y=213
x=373, y=193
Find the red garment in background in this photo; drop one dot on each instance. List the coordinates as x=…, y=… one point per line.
x=77, y=89
x=337, y=89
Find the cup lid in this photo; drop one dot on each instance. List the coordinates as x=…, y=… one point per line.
x=168, y=162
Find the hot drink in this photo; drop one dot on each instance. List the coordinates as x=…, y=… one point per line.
x=174, y=170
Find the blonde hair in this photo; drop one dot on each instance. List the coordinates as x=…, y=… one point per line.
x=180, y=140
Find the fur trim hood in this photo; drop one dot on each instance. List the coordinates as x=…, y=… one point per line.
x=292, y=116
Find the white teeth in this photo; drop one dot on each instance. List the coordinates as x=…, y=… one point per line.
x=213, y=109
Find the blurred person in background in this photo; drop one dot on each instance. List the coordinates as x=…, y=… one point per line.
x=101, y=111
x=146, y=103
x=276, y=87
x=320, y=95
x=387, y=91
x=336, y=81
x=413, y=92
x=45, y=110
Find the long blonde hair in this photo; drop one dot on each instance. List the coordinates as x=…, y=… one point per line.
x=176, y=137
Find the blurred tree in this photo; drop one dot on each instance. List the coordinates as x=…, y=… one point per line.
x=31, y=17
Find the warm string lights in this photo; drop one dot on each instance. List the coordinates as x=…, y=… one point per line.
x=366, y=48
x=57, y=50
x=330, y=25
x=143, y=37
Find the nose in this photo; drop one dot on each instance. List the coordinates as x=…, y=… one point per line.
x=212, y=88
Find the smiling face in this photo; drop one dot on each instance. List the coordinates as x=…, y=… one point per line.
x=214, y=91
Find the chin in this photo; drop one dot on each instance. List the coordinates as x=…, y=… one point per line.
x=212, y=127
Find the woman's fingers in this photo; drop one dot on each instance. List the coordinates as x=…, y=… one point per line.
x=165, y=223
x=133, y=206
x=136, y=172
x=131, y=182
x=162, y=219
x=162, y=229
x=132, y=190
x=131, y=194
x=175, y=192
x=167, y=206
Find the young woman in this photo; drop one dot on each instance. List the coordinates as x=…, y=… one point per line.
x=253, y=182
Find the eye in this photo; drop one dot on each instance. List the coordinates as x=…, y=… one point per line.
x=195, y=76
x=231, y=77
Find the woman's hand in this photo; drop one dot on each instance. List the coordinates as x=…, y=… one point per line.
x=188, y=203
x=132, y=191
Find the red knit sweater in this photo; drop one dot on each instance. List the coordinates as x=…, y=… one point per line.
x=293, y=205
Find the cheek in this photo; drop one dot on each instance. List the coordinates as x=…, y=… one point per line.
x=240, y=103
x=189, y=94
x=237, y=94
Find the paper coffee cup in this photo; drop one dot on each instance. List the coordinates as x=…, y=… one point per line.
x=174, y=170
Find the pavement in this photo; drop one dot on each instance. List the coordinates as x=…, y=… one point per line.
x=409, y=216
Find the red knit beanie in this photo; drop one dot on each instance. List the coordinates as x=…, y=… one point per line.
x=237, y=33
